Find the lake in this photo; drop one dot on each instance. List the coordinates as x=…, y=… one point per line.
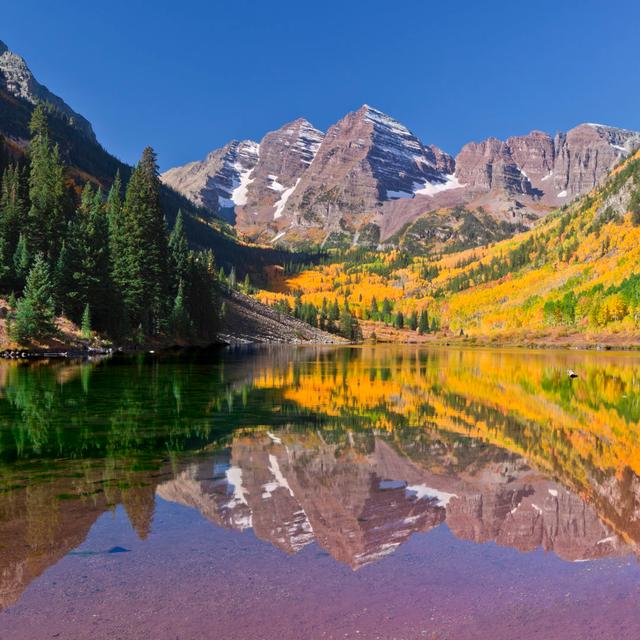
x=321, y=492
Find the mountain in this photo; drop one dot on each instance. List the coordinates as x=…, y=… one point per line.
x=248, y=181
x=574, y=279
x=218, y=181
x=86, y=160
x=16, y=79
x=543, y=172
x=369, y=179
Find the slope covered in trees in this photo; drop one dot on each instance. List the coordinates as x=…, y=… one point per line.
x=106, y=261
x=575, y=276
x=86, y=160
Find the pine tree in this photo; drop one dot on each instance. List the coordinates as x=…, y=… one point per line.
x=386, y=311
x=118, y=320
x=349, y=327
x=398, y=321
x=413, y=320
x=323, y=318
x=178, y=252
x=423, y=324
x=374, y=312
x=334, y=312
x=83, y=269
x=35, y=312
x=86, y=323
x=179, y=322
x=201, y=297
x=21, y=260
x=46, y=214
x=12, y=220
x=141, y=264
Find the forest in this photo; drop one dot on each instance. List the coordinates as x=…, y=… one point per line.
x=106, y=261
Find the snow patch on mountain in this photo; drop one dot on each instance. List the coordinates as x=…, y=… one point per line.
x=431, y=188
x=282, y=203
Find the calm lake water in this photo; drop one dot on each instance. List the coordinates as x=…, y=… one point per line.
x=285, y=493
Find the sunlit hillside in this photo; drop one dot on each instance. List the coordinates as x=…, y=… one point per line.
x=576, y=275
x=583, y=431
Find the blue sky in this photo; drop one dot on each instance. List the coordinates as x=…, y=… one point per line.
x=188, y=76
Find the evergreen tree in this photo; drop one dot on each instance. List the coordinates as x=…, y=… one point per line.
x=141, y=264
x=179, y=323
x=386, y=311
x=83, y=268
x=398, y=321
x=12, y=220
x=119, y=320
x=323, y=318
x=413, y=321
x=423, y=324
x=201, y=295
x=21, y=260
x=35, y=312
x=178, y=252
x=46, y=214
x=86, y=323
x=374, y=312
x=334, y=312
x=349, y=327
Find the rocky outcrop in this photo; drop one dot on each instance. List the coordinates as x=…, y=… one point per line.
x=543, y=170
x=248, y=321
x=16, y=79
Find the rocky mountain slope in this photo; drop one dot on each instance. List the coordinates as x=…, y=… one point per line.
x=248, y=321
x=293, y=490
x=572, y=280
x=86, y=160
x=16, y=79
x=370, y=177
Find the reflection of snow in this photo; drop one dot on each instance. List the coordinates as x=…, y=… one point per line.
x=431, y=188
x=234, y=478
x=280, y=205
x=240, y=518
x=280, y=480
x=420, y=491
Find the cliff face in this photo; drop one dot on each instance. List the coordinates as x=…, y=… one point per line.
x=284, y=156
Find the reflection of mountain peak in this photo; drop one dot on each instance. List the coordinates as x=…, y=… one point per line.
x=294, y=489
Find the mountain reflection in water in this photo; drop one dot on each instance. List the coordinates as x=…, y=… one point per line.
x=355, y=449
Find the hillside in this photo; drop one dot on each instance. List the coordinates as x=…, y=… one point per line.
x=573, y=279
x=87, y=160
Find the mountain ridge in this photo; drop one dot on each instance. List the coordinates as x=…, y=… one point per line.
x=370, y=175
